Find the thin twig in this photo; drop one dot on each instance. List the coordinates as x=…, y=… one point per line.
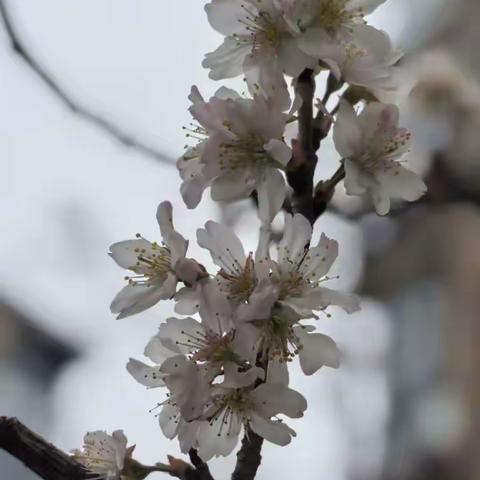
x=114, y=131
x=325, y=189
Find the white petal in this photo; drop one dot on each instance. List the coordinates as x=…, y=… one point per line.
x=227, y=60
x=136, y=298
x=381, y=200
x=265, y=77
x=260, y=303
x=165, y=219
x=272, y=399
x=347, y=134
x=279, y=150
x=151, y=377
x=225, y=93
x=353, y=179
x=224, y=246
x=272, y=430
x=245, y=342
x=228, y=17
x=320, y=258
x=229, y=188
x=296, y=238
x=187, y=300
x=277, y=372
x=192, y=189
x=188, y=435
x=119, y=444
x=195, y=95
x=215, y=309
x=318, y=350
x=169, y=420
x=188, y=387
x=321, y=297
x=402, y=183
x=271, y=195
x=180, y=334
x=293, y=60
x=177, y=245
x=317, y=43
x=156, y=352
x=233, y=378
x=125, y=253
x=218, y=437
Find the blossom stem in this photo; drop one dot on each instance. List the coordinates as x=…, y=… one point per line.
x=248, y=457
x=301, y=168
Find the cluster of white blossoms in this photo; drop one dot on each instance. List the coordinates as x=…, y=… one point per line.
x=227, y=370
x=222, y=365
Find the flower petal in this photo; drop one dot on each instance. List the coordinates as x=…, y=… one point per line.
x=347, y=134
x=136, y=298
x=181, y=335
x=151, y=377
x=169, y=420
x=272, y=430
x=224, y=246
x=218, y=436
x=271, y=193
x=318, y=350
x=272, y=399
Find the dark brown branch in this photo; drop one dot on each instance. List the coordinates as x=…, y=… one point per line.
x=248, y=457
x=114, y=131
x=324, y=191
x=301, y=167
x=37, y=454
x=201, y=470
x=50, y=463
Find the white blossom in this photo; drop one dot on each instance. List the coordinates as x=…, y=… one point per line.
x=259, y=43
x=104, y=454
x=300, y=271
x=188, y=355
x=157, y=267
x=241, y=149
x=371, y=145
x=230, y=410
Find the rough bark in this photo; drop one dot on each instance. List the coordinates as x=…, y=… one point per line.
x=248, y=457
x=37, y=454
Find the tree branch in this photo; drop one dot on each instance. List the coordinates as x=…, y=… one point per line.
x=50, y=463
x=114, y=131
x=301, y=167
x=248, y=457
x=37, y=454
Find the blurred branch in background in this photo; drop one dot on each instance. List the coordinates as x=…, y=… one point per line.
x=98, y=121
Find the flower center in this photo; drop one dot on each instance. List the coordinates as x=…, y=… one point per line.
x=261, y=27
x=333, y=14
x=152, y=266
x=218, y=349
x=291, y=285
x=242, y=153
x=239, y=284
x=279, y=340
x=381, y=154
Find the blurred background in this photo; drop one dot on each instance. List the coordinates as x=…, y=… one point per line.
x=85, y=160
